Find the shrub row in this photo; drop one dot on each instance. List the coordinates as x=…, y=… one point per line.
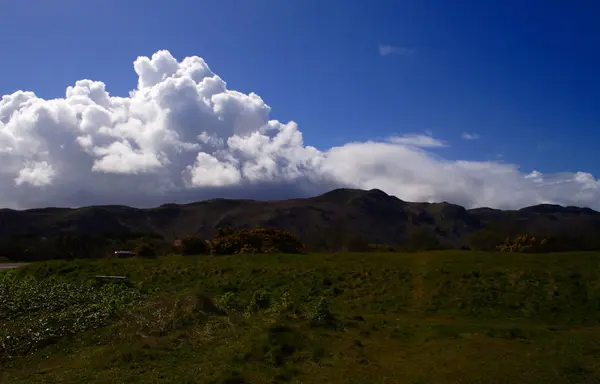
x=228, y=241
x=527, y=243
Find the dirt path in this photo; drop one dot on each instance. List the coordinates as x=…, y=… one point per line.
x=11, y=265
x=418, y=286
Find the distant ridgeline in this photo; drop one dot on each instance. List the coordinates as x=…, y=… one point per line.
x=340, y=220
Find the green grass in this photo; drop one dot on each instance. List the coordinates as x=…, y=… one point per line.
x=439, y=317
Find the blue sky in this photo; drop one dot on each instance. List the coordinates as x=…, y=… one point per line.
x=521, y=75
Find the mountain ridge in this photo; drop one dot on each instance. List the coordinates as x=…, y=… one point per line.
x=337, y=216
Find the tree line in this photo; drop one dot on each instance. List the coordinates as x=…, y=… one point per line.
x=494, y=237
x=71, y=245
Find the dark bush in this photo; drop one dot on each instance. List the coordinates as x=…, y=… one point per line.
x=145, y=250
x=194, y=245
x=423, y=239
x=357, y=244
x=229, y=241
x=485, y=240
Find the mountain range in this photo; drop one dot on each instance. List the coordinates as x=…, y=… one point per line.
x=337, y=216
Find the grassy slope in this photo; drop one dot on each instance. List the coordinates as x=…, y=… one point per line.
x=442, y=317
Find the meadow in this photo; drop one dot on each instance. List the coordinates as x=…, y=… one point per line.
x=428, y=317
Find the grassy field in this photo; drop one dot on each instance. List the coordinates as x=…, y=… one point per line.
x=439, y=317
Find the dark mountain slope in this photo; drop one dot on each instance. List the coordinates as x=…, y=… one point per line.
x=341, y=214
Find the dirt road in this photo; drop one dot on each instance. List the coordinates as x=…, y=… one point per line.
x=11, y=265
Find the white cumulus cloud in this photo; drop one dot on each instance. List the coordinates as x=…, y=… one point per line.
x=36, y=174
x=469, y=136
x=182, y=135
x=386, y=50
x=417, y=140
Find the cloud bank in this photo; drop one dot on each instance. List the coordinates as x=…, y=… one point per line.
x=182, y=135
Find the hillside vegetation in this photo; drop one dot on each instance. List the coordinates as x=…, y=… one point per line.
x=340, y=220
x=434, y=317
